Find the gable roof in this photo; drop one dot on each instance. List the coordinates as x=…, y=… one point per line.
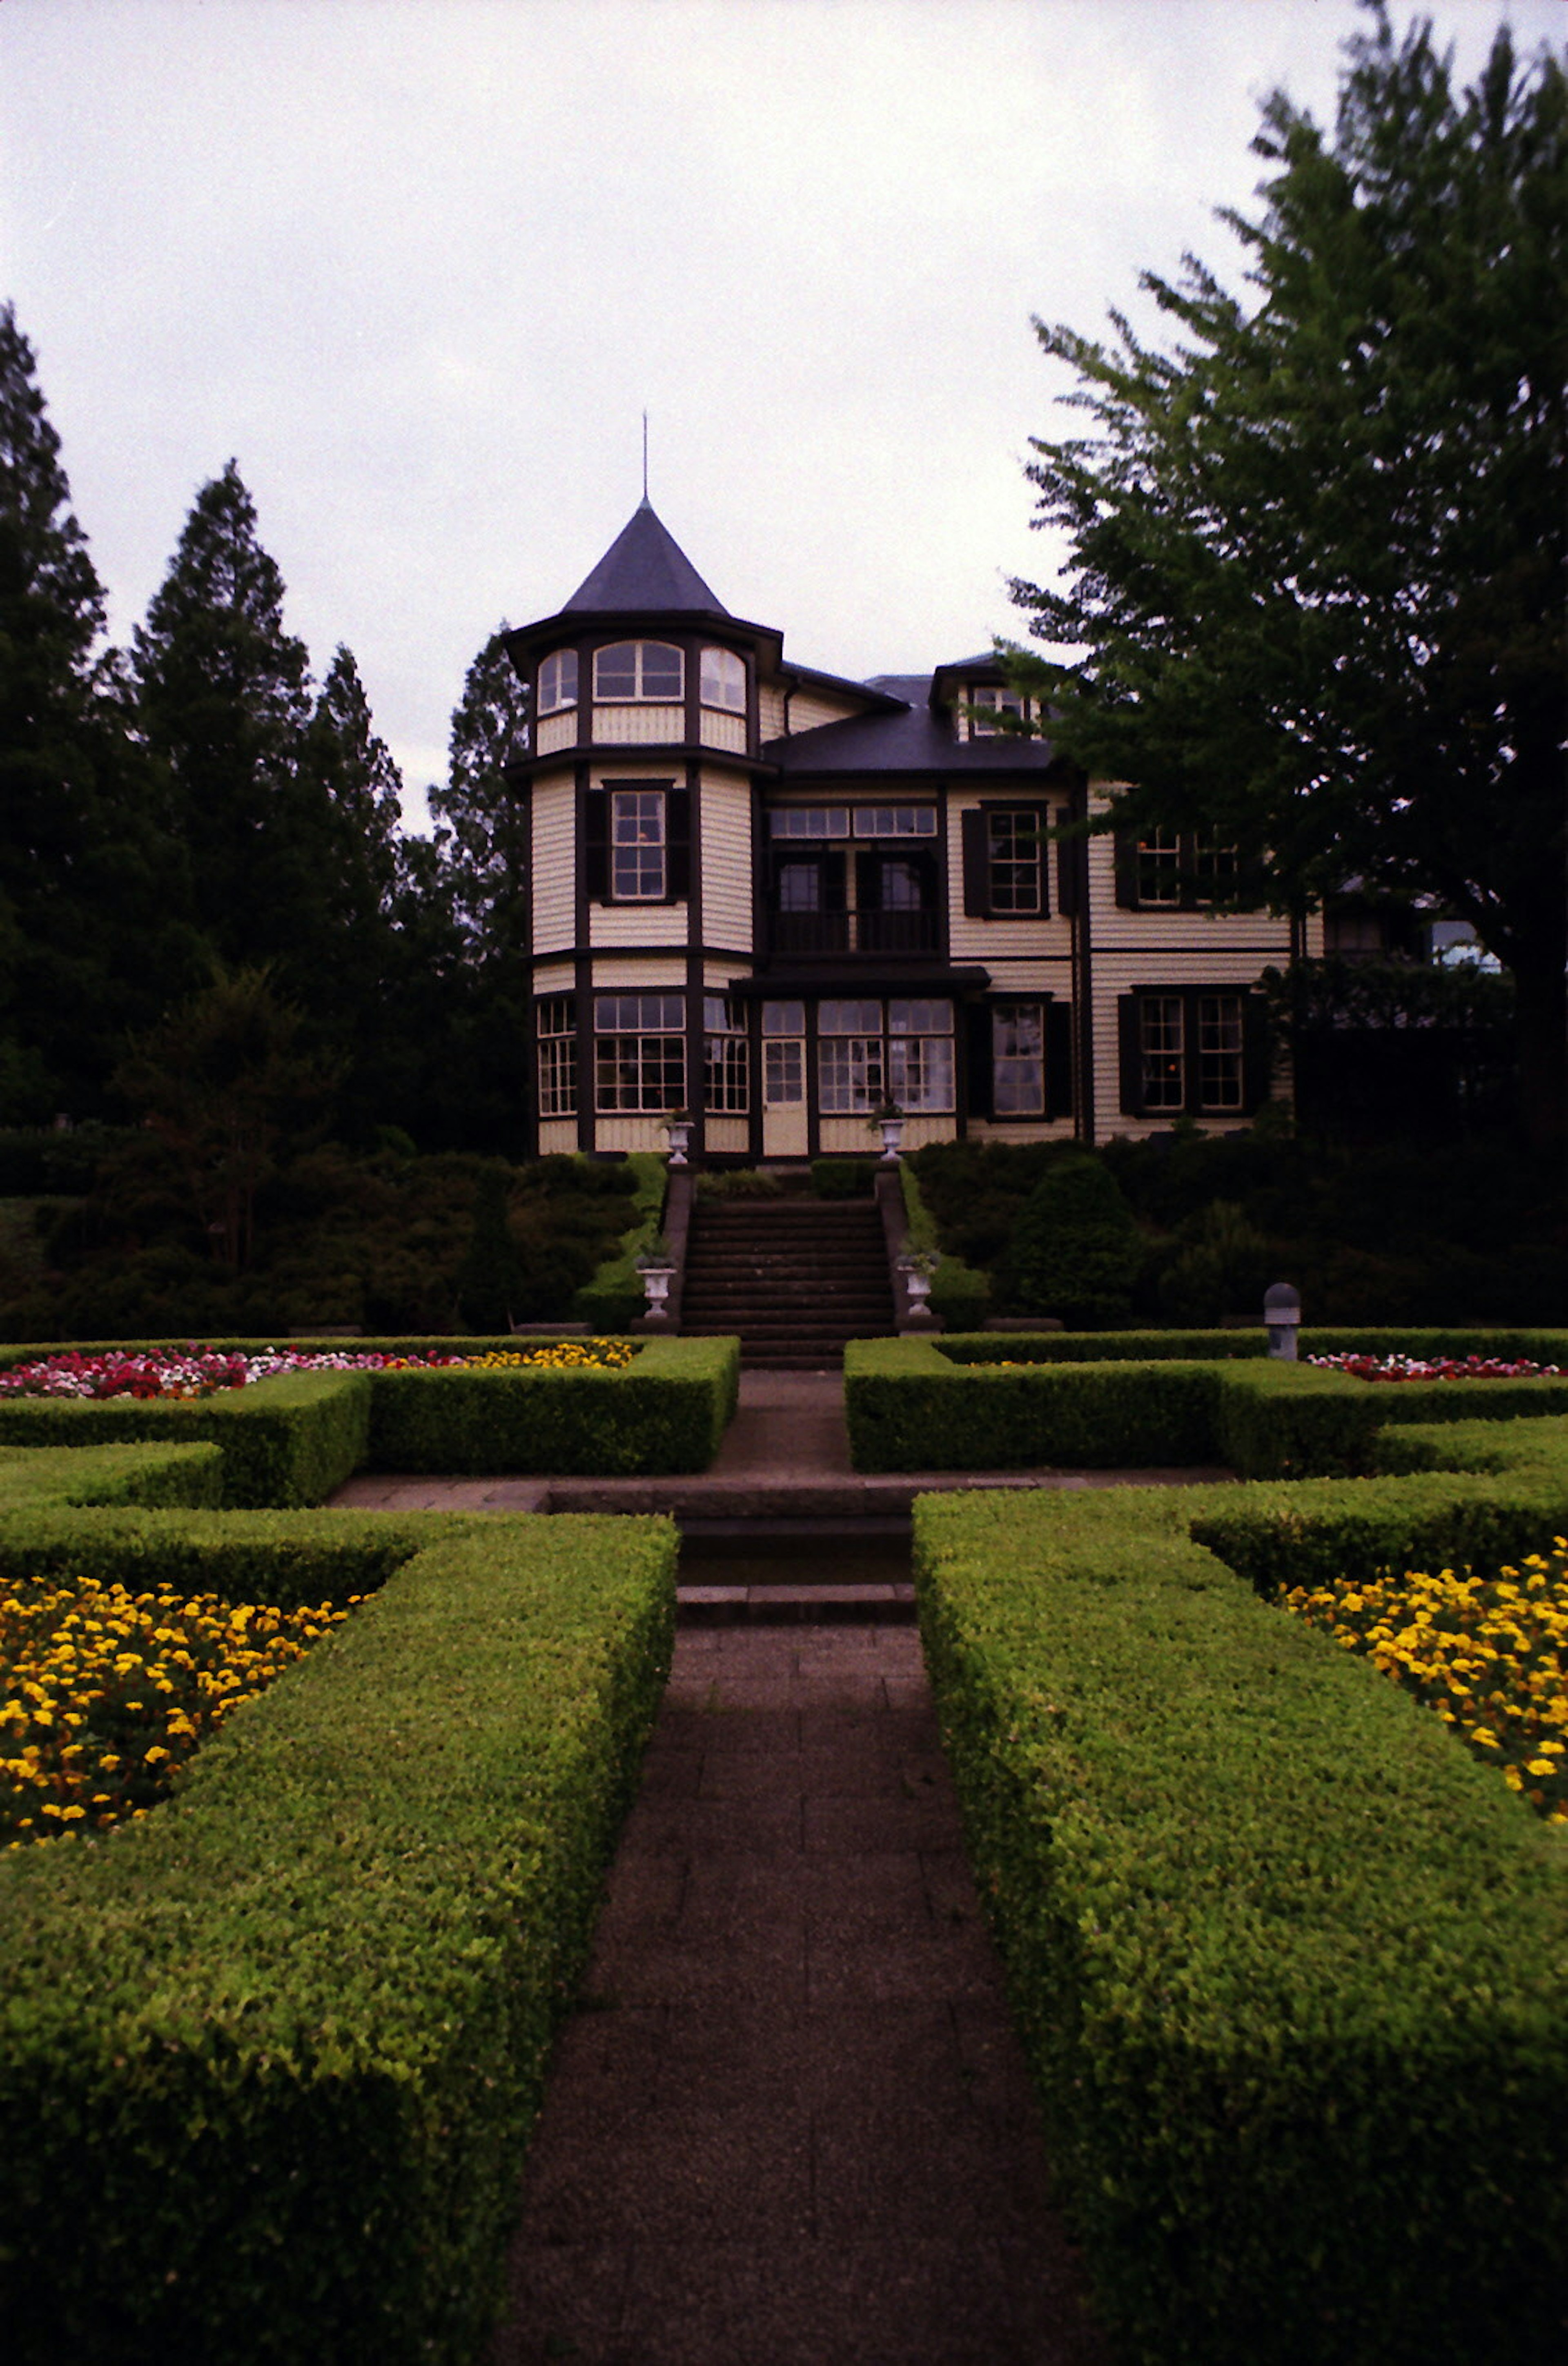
x=911, y=735
x=646, y=568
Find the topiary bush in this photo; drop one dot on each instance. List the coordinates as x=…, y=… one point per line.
x=1076, y=1249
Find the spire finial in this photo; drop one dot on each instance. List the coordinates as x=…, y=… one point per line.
x=645, y=455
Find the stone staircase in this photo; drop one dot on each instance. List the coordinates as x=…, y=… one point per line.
x=794, y=1278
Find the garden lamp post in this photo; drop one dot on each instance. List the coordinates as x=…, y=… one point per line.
x=1282, y=1319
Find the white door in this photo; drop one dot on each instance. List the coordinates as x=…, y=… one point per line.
x=784, y=1123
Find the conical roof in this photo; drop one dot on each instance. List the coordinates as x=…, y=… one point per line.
x=644, y=567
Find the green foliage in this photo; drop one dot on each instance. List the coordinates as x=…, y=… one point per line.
x=1287, y=1963
x=286, y=1441
x=1075, y=1250
x=491, y=1279
x=1153, y=1400
x=613, y=1300
x=959, y=1295
x=667, y=1411
x=1223, y=1271
x=1312, y=547
x=270, y=2058
x=844, y=1178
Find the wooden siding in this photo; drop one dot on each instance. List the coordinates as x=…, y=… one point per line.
x=994, y=941
x=558, y=1136
x=771, y=711
x=724, y=730
x=556, y=731
x=727, y=1134
x=555, y=977
x=726, y=861
x=639, y=976
x=630, y=1134
x=722, y=977
x=555, y=882
x=807, y=708
x=637, y=924
x=638, y=726
x=1046, y=975
x=1216, y=964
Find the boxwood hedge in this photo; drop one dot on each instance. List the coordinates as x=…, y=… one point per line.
x=1290, y=1966
x=1148, y=1400
x=268, y=2060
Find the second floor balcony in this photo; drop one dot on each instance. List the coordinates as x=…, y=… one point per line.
x=807, y=933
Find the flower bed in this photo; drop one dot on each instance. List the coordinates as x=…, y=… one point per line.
x=202, y=1372
x=1490, y=1654
x=1438, y=1368
x=108, y=1692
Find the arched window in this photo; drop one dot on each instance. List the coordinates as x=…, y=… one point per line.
x=558, y=682
x=639, y=670
x=724, y=681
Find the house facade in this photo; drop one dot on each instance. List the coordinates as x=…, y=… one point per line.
x=779, y=900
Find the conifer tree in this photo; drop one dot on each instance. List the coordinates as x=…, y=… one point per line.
x=89, y=937
x=225, y=704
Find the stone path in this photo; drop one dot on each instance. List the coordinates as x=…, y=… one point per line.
x=791, y=2125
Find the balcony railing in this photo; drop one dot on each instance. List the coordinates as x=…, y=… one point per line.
x=852, y=932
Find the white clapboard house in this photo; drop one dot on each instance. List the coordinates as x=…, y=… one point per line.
x=779, y=900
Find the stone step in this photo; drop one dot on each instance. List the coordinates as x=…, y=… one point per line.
x=795, y=1606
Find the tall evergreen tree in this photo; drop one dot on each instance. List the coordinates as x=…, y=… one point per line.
x=225, y=704
x=1318, y=553
x=89, y=872
x=490, y=730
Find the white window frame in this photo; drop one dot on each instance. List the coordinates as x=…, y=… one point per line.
x=895, y=821
x=640, y=1052
x=638, y=694
x=639, y=845
x=723, y=681
x=1015, y=881
x=558, y=682
x=555, y=1025
x=810, y=821
x=998, y=701
x=1018, y=1064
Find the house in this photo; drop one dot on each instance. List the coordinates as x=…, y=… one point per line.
x=779, y=899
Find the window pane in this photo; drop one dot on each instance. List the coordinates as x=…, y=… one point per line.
x=663, y=672
x=1003, y=702
x=920, y=1071
x=895, y=821
x=800, y=887
x=1162, y=1040
x=810, y=821
x=1018, y=1059
x=919, y=1017
x=1159, y=868
x=849, y=1073
x=726, y=1073
x=639, y=1071
x=849, y=1019
x=1014, y=847
x=724, y=681
x=1216, y=864
x=636, y=856
x=784, y=1018
x=1218, y=1051
x=614, y=671
x=558, y=682
x=783, y=1073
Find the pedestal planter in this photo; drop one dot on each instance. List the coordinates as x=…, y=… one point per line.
x=892, y=1139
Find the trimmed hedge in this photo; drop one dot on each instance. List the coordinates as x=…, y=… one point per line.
x=286, y=1441
x=1287, y=1964
x=293, y=1439
x=268, y=2060
x=667, y=1411
x=180, y=1477
x=917, y=1404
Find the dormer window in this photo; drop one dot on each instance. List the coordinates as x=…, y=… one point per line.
x=558, y=682
x=639, y=670
x=724, y=681
x=996, y=700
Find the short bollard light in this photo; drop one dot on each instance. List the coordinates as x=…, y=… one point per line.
x=1282, y=1319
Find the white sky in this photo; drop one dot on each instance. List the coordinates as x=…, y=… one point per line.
x=420, y=265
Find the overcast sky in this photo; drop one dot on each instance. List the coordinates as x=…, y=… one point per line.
x=420, y=265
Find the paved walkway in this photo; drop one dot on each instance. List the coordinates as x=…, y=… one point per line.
x=790, y=2124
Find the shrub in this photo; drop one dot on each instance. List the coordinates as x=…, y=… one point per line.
x=1287, y=1964
x=844, y=1178
x=1076, y=1249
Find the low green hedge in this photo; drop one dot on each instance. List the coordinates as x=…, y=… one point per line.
x=1287, y=1964
x=165, y=1476
x=667, y=1411
x=987, y=1402
x=268, y=2060
x=293, y=1439
x=286, y=1441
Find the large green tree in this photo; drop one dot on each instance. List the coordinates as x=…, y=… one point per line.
x=1318, y=550
x=226, y=705
x=89, y=869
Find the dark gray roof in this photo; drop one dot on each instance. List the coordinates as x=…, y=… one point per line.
x=917, y=738
x=645, y=567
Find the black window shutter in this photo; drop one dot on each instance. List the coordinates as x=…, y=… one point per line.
x=1256, y=1062
x=868, y=881
x=976, y=867
x=677, y=842
x=596, y=845
x=981, y=1103
x=833, y=883
x=1127, y=871
x=1130, y=1046
x=1041, y=819
x=1058, y=1059
x=1252, y=883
